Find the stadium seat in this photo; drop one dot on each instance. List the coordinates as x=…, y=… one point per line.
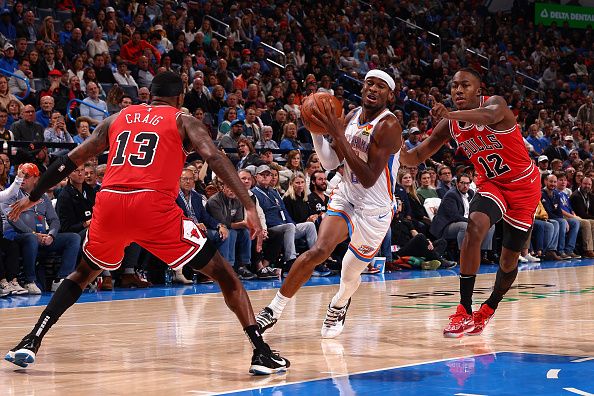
x=44, y=12
x=130, y=90
x=63, y=15
x=39, y=84
x=106, y=87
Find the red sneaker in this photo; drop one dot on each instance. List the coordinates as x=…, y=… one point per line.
x=481, y=318
x=460, y=323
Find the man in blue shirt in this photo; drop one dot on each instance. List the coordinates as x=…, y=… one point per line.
x=278, y=219
x=568, y=231
x=539, y=144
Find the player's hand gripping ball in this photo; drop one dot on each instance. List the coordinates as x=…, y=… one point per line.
x=316, y=101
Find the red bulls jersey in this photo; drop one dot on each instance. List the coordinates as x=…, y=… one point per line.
x=500, y=156
x=145, y=150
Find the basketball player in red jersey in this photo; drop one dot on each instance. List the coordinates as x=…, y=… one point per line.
x=508, y=185
x=148, y=145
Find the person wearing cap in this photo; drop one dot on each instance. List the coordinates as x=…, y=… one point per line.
x=135, y=48
x=414, y=138
x=568, y=144
x=543, y=165
x=8, y=62
x=555, y=150
x=38, y=230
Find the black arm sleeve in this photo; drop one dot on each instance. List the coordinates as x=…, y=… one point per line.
x=56, y=172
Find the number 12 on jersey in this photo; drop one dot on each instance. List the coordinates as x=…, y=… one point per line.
x=493, y=165
x=145, y=154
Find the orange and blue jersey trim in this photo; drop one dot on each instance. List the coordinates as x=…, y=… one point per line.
x=340, y=213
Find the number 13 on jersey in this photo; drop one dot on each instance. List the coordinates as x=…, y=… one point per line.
x=144, y=154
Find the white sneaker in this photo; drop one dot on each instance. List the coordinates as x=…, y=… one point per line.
x=522, y=259
x=5, y=288
x=531, y=258
x=56, y=284
x=178, y=277
x=32, y=288
x=334, y=322
x=17, y=289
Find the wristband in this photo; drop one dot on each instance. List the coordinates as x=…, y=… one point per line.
x=56, y=172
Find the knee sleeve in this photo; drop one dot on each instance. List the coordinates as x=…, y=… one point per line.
x=350, y=278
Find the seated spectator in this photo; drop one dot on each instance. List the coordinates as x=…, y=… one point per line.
x=59, y=91
x=451, y=219
x=278, y=219
x=136, y=47
x=418, y=214
x=545, y=235
x=295, y=201
x=74, y=45
x=103, y=72
x=14, y=112
x=17, y=85
x=57, y=133
x=414, y=138
x=9, y=250
x=197, y=97
x=5, y=95
x=289, y=139
x=445, y=180
x=266, y=141
x=144, y=95
x=43, y=115
x=247, y=154
x=27, y=129
x=543, y=165
x=98, y=112
x=191, y=203
x=582, y=202
x=83, y=130
x=555, y=150
x=123, y=76
x=30, y=232
x=49, y=63
x=425, y=191
x=8, y=62
x=231, y=140
x=229, y=116
x=97, y=45
x=568, y=229
x=227, y=210
x=6, y=135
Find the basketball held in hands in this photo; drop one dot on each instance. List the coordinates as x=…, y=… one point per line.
x=316, y=100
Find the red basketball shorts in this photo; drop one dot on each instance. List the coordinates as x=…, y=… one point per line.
x=150, y=218
x=517, y=199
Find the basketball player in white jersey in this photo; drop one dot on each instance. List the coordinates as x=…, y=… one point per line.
x=369, y=141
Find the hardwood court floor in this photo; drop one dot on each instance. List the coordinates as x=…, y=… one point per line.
x=193, y=344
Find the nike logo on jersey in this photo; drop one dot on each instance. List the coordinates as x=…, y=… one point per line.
x=532, y=180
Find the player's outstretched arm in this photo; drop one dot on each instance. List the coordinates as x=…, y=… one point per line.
x=440, y=136
x=494, y=112
x=63, y=166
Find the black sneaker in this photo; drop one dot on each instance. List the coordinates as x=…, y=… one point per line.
x=445, y=264
x=268, y=362
x=245, y=274
x=265, y=319
x=24, y=353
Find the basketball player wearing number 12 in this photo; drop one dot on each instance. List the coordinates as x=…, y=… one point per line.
x=148, y=145
x=508, y=185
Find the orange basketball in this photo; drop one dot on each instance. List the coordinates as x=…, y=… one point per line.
x=316, y=100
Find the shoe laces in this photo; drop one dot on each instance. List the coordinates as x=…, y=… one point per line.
x=458, y=317
x=332, y=316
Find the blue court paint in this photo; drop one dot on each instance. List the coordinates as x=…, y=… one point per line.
x=179, y=290
x=501, y=374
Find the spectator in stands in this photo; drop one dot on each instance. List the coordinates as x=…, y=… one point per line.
x=57, y=133
x=97, y=45
x=586, y=112
x=43, y=115
x=231, y=140
x=543, y=165
x=14, y=112
x=18, y=86
x=8, y=62
x=5, y=95
x=30, y=232
x=144, y=95
x=49, y=63
x=555, y=150
x=425, y=191
x=252, y=126
x=582, y=202
x=451, y=219
x=83, y=130
x=6, y=27
x=229, y=116
x=197, y=97
x=27, y=129
x=568, y=229
x=545, y=235
x=266, y=139
x=445, y=180
x=6, y=135
x=289, y=139
x=317, y=199
x=103, y=73
x=135, y=48
x=278, y=219
x=417, y=214
x=27, y=28
x=227, y=210
x=123, y=76
x=247, y=154
x=99, y=110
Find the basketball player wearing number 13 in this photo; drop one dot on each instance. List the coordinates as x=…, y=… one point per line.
x=508, y=185
x=148, y=145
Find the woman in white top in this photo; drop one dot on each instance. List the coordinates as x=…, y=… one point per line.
x=97, y=45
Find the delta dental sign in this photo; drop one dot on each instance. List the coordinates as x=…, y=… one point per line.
x=575, y=16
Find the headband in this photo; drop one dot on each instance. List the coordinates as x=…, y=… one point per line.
x=382, y=75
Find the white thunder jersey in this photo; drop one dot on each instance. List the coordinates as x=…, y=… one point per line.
x=381, y=194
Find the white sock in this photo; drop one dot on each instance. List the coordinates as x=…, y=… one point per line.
x=278, y=304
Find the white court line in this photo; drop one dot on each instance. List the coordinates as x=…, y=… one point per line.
x=356, y=372
x=578, y=392
x=468, y=394
x=582, y=360
x=553, y=374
